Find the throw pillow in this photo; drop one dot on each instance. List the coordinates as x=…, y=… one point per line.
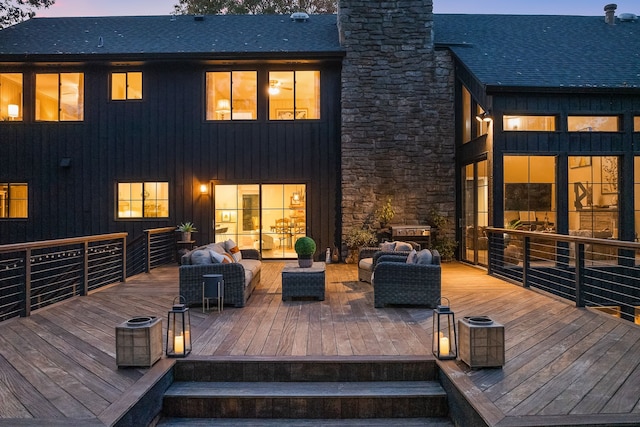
x=411, y=259
x=424, y=257
x=229, y=244
x=201, y=257
x=228, y=259
x=216, y=257
x=233, y=249
x=388, y=246
x=218, y=247
x=403, y=246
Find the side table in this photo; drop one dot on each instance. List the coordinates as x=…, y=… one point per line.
x=182, y=247
x=303, y=282
x=212, y=287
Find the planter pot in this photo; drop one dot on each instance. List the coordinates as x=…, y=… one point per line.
x=305, y=262
x=186, y=236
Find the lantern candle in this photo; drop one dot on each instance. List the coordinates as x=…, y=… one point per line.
x=178, y=344
x=444, y=346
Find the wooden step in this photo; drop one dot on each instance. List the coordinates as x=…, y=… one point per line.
x=314, y=400
x=281, y=422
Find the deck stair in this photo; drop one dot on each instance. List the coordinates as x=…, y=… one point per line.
x=340, y=391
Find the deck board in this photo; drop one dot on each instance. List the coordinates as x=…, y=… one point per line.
x=563, y=365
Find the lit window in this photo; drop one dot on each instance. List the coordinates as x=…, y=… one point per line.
x=13, y=200
x=59, y=97
x=593, y=123
x=143, y=200
x=636, y=124
x=232, y=95
x=529, y=123
x=466, y=115
x=126, y=85
x=294, y=95
x=10, y=96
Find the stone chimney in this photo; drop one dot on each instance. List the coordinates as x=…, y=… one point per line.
x=610, y=13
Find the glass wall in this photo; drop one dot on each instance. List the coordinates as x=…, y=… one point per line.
x=268, y=217
x=476, y=212
x=636, y=195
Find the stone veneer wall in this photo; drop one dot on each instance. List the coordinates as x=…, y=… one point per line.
x=397, y=113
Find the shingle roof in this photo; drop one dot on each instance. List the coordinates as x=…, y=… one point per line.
x=544, y=51
x=215, y=34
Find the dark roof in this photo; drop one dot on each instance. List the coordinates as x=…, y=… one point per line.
x=544, y=51
x=153, y=35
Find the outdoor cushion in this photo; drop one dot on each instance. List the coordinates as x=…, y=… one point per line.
x=412, y=257
x=201, y=257
x=388, y=246
x=403, y=246
x=424, y=257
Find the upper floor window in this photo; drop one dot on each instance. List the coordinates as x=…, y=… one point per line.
x=593, y=123
x=13, y=200
x=636, y=124
x=529, y=123
x=143, y=200
x=294, y=95
x=10, y=96
x=126, y=85
x=59, y=97
x=232, y=95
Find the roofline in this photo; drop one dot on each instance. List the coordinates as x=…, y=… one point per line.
x=235, y=57
x=499, y=89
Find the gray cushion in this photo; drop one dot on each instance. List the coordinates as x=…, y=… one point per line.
x=413, y=256
x=216, y=257
x=387, y=246
x=424, y=257
x=366, y=264
x=201, y=257
x=403, y=246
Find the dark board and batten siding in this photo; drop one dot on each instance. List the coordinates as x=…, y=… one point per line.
x=164, y=137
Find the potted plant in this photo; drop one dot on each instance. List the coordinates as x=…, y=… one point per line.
x=385, y=214
x=358, y=238
x=305, y=248
x=186, y=228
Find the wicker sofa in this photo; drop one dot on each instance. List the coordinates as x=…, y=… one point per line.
x=240, y=278
x=368, y=256
x=397, y=281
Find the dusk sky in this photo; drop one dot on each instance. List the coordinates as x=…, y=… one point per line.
x=538, y=7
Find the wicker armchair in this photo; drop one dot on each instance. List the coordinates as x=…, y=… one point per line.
x=367, y=257
x=396, y=282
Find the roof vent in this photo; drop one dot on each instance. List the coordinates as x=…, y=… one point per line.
x=628, y=17
x=610, y=13
x=198, y=18
x=299, y=17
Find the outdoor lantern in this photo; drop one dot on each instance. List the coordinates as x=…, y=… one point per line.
x=178, y=330
x=444, y=332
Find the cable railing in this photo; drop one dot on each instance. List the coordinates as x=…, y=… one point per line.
x=37, y=274
x=603, y=274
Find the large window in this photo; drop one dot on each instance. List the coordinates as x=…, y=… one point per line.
x=636, y=124
x=593, y=123
x=10, y=96
x=126, y=85
x=268, y=217
x=143, y=200
x=593, y=196
x=232, y=95
x=529, y=123
x=530, y=192
x=294, y=95
x=636, y=195
x=59, y=97
x=13, y=200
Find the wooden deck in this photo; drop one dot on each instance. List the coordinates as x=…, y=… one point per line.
x=564, y=366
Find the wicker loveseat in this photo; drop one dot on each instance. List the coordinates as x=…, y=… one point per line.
x=240, y=277
x=367, y=256
x=396, y=281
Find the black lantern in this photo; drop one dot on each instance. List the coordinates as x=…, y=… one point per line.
x=444, y=332
x=178, y=330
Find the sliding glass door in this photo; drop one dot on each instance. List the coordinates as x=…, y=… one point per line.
x=475, y=216
x=266, y=217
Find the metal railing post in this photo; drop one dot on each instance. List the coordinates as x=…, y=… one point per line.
x=27, y=282
x=579, y=274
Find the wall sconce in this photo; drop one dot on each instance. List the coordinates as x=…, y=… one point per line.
x=13, y=111
x=178, y=330
x=484, y=117
x=204, y=189
x=444, y=332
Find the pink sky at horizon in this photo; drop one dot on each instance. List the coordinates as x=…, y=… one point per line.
x=539, y=7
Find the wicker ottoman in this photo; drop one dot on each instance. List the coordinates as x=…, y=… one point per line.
x=303, y=282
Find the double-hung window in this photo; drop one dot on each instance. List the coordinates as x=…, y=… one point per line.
x=59, y=97
x=11, y=96
x=143, y=200
x=294, y=95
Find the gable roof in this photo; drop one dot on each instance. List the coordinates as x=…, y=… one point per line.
x=518, y=51
x=212, y=36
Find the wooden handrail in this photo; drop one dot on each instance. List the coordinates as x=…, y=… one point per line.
x=566, y=238
x=16, y=247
